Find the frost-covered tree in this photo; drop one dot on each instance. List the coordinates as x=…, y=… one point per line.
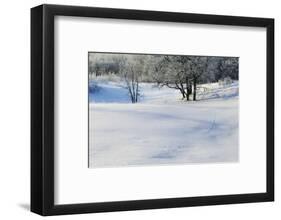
x=197, y=66
x=184, y=73
x=172, y=72
x=181, y=73
x=227, y=67
x=131, y=69
x=95, y=68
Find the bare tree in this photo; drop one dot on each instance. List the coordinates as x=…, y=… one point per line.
x=197, y=66
x=181, y=73
x=172, y=72
x=131, y=69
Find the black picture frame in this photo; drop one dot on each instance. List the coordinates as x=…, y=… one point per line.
x=42, y=109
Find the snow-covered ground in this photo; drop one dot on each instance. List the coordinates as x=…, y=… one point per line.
x=161, y=128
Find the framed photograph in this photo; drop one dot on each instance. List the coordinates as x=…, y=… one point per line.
x=136, y=109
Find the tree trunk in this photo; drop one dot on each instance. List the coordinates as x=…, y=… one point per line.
x=187, y=88
x=182, y=90
x=137, y=90
x=182, y=93
x=194, y=89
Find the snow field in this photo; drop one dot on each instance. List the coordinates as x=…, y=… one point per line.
x=162, y=129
